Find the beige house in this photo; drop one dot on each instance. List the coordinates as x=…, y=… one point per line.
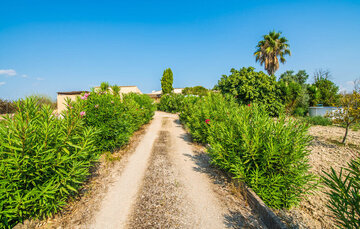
x=61, y=97
x=73, y=94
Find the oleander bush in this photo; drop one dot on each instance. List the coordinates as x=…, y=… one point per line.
x=116, y=118
x=270, y=155
x=146, y=108
x=344, y=195
x=43, y=160
x=45, y=157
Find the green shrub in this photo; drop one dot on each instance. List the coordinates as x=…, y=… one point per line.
x=171, y=102
x=269, y=155
x=115, y=118
x=174, y=103
x=249, y=86
x=344, y=195
x=146, y=107
x=197, y=90
x=318, y=120
x=43, y=160
x=294, y=95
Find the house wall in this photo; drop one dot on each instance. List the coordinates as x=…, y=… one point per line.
x=61, y=105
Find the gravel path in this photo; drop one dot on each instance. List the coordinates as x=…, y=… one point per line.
x=168, y=182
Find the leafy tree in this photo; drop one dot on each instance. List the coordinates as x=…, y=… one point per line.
x=328, y=92
x=299, y=77
x=249, y=86
x=314, y=94
x=167, y=81
x=323, y=90
x=270, y=49
x=349, y=112
x=294, y=92
x=197, y=90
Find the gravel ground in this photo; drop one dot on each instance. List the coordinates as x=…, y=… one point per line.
x=160, y=197
x=325, y=152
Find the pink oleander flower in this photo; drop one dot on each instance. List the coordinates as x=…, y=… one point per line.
x=207, y=121
x=82, y=113
x=249, y=105
x=97, y=105
x=86, y=95
x=112, y=101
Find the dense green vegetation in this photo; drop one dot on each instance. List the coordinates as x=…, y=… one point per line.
x=344, y=194
x=116, y=118
x=249, y=86
x=269, y=155
x=43, y=160
x=293, y=92
x=174, y=103
x=45, y=157
x=197, y=90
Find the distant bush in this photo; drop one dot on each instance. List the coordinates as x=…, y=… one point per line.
x=171, y=102
x=43, y=160
x=7, y=107
x=318, y=120
x=197, y=90
x=270, y=155
x=344, y=194
x=44, y=100
x=174, y=103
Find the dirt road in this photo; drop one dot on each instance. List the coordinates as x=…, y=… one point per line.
x=166, y=183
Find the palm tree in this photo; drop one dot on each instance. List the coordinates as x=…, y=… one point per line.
x=269, y=49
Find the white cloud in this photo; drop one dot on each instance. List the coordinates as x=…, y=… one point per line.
x=8, y=72
x=24, y=76
x=2, y=83
x=39, y=78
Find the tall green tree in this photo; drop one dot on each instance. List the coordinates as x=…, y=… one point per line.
x=272, y=48
x=167, y=81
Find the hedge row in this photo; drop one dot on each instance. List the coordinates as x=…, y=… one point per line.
x=45, y=158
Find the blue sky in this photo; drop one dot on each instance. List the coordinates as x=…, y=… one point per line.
x=51, y=46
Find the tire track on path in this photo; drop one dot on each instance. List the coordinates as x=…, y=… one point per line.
x=116, y=205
